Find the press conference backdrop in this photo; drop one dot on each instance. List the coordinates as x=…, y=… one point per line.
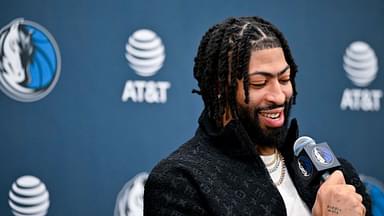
x=95, y=93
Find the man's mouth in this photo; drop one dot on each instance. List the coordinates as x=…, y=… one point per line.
x=272, y=118
x=271, y=115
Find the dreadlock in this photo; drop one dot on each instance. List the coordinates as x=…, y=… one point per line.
x=223, y=58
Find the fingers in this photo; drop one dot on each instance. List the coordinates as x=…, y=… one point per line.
x=336, y=177
x=348, y=191
x=359, y=197
x=359, y=210
x=339, y=191
x=364, y=210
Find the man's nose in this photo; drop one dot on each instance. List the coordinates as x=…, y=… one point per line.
x=275, y=93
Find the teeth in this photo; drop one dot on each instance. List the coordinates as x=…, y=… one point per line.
x=271, y=115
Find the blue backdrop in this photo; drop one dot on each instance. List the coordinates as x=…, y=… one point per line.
x=84, y=142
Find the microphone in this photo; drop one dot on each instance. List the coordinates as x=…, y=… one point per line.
x=313, y=162
x=301, y=142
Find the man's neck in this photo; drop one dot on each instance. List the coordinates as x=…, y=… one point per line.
x=266, y=150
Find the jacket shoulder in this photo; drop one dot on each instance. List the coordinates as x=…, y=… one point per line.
x=171, y=187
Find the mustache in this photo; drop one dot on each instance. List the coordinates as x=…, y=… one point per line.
x=273, y=106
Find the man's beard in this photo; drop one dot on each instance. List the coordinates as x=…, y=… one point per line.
x=265, y=137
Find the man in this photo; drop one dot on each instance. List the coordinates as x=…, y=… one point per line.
x=239, y=161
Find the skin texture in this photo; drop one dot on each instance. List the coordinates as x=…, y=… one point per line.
x=270, y=85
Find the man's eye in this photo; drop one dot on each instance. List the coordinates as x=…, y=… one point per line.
x=285, y=81
x=258, y=84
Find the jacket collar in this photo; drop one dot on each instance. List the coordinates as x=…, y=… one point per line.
x=231, y=139
x=234, y=140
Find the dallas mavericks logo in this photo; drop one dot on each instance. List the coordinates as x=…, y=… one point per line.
x=323, y=155
x=130, y=199
x=305, y=166
x=29, y=61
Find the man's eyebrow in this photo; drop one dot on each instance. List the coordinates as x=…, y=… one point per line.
x=264, y=73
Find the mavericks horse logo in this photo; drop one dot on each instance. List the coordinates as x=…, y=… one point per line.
x=322, y=155
x=29, y=61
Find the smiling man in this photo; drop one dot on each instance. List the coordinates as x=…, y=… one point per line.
x=239, y=161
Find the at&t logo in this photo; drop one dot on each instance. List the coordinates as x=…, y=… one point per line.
x=145, y=55
x=28, y=197
x=361, y=66
x=129, y=202
x=29, y=61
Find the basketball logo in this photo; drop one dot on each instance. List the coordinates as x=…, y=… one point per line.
x=29, y=61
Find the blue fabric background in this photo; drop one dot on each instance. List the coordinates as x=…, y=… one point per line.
x=84, y=143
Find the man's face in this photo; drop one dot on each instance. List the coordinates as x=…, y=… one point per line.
x=270, y=92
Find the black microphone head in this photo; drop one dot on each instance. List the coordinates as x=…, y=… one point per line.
x=301, y=142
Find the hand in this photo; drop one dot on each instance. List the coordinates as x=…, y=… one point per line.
x=336, y=198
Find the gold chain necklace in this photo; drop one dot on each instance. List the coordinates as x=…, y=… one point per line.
x=282, y=174
x=276, y=165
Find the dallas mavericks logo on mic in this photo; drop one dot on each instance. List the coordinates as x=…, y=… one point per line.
x=29, y=61
x=303, y=162
x=28, y=197
x=130, y=199
x=305, y=166
x=323, y=155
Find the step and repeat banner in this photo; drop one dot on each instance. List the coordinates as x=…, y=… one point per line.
x=95, y=93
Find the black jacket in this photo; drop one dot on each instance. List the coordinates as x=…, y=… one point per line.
x=220, y=173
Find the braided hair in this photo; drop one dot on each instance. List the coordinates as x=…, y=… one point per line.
x=223, y=58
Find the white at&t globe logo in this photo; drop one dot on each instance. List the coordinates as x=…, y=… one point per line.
x=145, y=52
x=129, y=202
x=360, y=63
x=145, y=55
x=361, y=67
x=28, y=197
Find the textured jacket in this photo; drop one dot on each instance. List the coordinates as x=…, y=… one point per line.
x=220, y=173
